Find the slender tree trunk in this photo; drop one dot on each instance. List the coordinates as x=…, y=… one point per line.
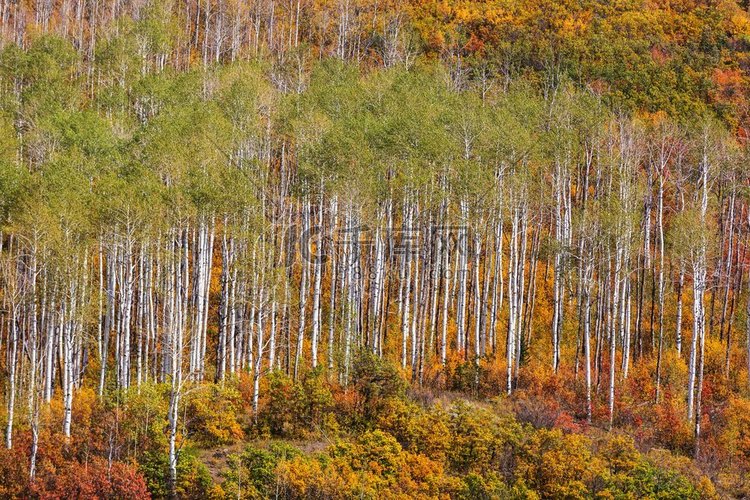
x=318, y=271
x=660, y=235
x=302, y=297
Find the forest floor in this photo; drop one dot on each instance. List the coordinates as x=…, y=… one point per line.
x=217, y=459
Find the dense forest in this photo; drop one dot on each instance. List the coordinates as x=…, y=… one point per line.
x=374, y=248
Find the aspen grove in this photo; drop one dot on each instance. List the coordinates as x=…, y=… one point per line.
x=247, y=197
